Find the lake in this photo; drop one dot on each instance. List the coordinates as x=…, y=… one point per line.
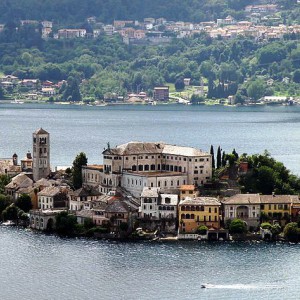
x=38, y=266
x=83, y=128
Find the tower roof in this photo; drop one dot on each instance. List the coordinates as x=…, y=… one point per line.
x=41, y=131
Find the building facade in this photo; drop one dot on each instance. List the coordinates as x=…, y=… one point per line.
x=199, y=211
x=41, y=154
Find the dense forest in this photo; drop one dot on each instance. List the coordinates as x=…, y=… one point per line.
x=104, y=65
x=74, y=11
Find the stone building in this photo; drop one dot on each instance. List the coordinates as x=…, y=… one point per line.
x=41, y=154
x=136, y=165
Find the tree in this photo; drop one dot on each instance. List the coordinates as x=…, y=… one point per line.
x=79, y=161
x=10, y=213
x=24, y=203
x=219, y=158
x=291, y=232
x=255, y=89
x=5, y=201
x=179, y=84
x=65, y=223
x=202, y=229
x=237, y=226
x=296, y=76
x=212, y=156
x=4, y=180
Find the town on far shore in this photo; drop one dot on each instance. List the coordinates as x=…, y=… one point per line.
x=262, y=22
x=143, y=190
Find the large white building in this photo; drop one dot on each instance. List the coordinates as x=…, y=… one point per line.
x=136, y=165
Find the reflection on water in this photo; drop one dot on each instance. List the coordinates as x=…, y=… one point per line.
x=37, y=266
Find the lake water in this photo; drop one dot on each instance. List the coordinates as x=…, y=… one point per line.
x=83, y=128
x=37, y=266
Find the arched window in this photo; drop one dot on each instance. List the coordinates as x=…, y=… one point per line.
x=146, y=167
x=140, y=167
x=188, y=216
x=152, y=167
x=133, y=168
x=182, y=216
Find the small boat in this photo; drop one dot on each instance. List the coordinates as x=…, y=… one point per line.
x=8, y=223
x=203, y=286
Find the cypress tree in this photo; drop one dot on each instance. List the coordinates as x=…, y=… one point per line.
x=212, y=156
x=219, y=158
x=223, y=159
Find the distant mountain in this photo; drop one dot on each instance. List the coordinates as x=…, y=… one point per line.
x=76, y=11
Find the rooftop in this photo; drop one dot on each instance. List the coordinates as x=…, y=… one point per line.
x=200, y=201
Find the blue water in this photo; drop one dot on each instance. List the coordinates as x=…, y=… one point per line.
x=37, y=266
x=82, y=128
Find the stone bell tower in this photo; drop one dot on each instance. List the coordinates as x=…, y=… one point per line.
x=41, y=154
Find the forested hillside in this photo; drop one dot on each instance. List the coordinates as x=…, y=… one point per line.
x=241, y=66
x=75, y=11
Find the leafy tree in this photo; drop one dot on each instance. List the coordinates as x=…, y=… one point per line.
x=65, y=223
x=255, y=89
x=296, y=76
x=202, y=229
x=179, y=84
x=124, y=226
x=24, y=202
x=10, y=213
x=291, y=232
x=266, y=225
x=5, y=201
x=80, y=160
x=4, y=180
x=88, y=223
x=237, y=226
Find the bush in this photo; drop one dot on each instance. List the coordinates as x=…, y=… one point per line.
x=266, y=225
x=202, y=230
x=291, y=232
x=237, y=226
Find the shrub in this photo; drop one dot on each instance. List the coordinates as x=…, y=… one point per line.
x=237, y=226
x=291, y=232
x=266, y=225
x=202, y=230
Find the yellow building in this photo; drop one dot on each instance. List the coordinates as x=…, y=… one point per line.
x=198, y=211
x=188, y=190
x=278, y=207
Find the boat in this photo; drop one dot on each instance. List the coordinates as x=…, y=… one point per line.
x=203, y=286
x=17, y=101
x=8, y=223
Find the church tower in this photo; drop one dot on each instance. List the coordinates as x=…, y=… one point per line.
x=41, y=154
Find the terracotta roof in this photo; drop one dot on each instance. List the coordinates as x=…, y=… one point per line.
x=187, y=187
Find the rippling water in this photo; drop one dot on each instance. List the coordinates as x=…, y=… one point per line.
x=82, y=128
x=37, y=266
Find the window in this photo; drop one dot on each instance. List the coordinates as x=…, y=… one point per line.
x=209, y=209
x=195, y=171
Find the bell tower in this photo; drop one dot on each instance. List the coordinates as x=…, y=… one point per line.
x=41, y=154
